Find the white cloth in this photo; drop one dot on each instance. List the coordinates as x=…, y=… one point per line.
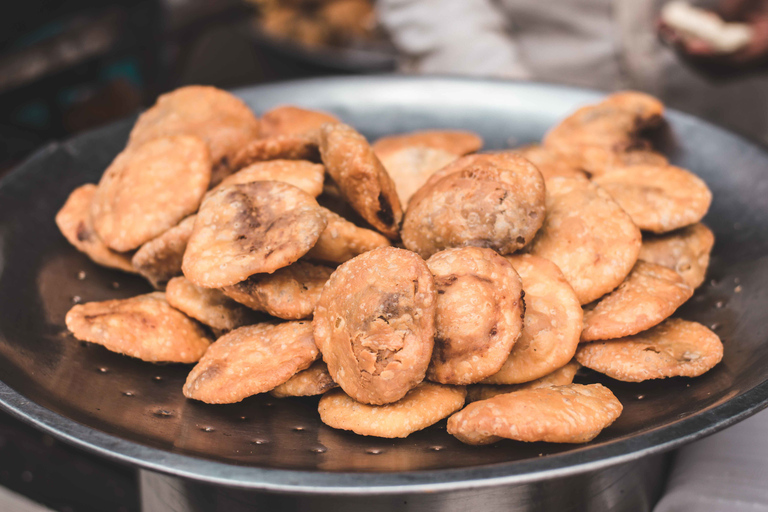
x=602, y=44
x=479, y=45
x=726, y=472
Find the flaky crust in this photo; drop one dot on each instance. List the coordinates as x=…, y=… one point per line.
x=456, y=142
x=659, y=199
x=552, y=324
x=686, y=251
x=479, y=314
x=74, y=222
x=148, y=189
x=424, y=405
x=301, y=146
x=550, y=163
x=588, y=236
x=206, y=305
x=251, y=360
x=290, y=293
x=313, y=381
x=375, y=324
x=342, y=240
x=558, y=414
x=648, y=295
x=361, y=177
x=145, y=327
x=496, y=202
x=559, y=377
x=411, y=167
x=674, y=348
x=596, y=137
x=300, y=173
x=160, y=259
x=292, y=120
x=251, y=228
x=217, y=117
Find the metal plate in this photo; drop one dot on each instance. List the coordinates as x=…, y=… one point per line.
x=135, y=412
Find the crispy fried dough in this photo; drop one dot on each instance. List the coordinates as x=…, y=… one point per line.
x=559, y=377
x=361, y=177
x=588, y=236
x=560, y=414
x=217, y=117
x=674, y=348
x=74, y=222
x=291, y=120
x=342, y=240
x=497, y=202
x=145, y=327
x=160, y=259
x=686, y=251
x=148, y=189
x=251, y=360
x=552, y=324
x=479, y=314
x=207, y=305
x=313, y=381
x=290, y=293
x=375, y=324
x=659, y=199
x=300, y=173
x=648, y=295
x=248, y=229
x=596, y=137
x=424, y=405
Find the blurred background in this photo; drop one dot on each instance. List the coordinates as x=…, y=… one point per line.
x=66, y=67
x=70, y=66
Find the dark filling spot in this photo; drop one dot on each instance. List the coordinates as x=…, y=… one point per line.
x=390, y=306
x=385, y=213
x=247, y=216
x=444, y=282
x=441, y=353
x=209, y=373
x=494, y=331
x=82, y=232
x=520, y=240
x=249, y=285
x=651, y=349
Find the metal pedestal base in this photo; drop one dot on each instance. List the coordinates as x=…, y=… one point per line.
x=631, y=487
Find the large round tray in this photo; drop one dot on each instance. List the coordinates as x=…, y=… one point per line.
x=132, y=411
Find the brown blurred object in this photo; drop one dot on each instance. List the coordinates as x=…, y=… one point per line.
x=317, y=23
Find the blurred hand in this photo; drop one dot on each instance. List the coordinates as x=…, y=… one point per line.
x=718, y=66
